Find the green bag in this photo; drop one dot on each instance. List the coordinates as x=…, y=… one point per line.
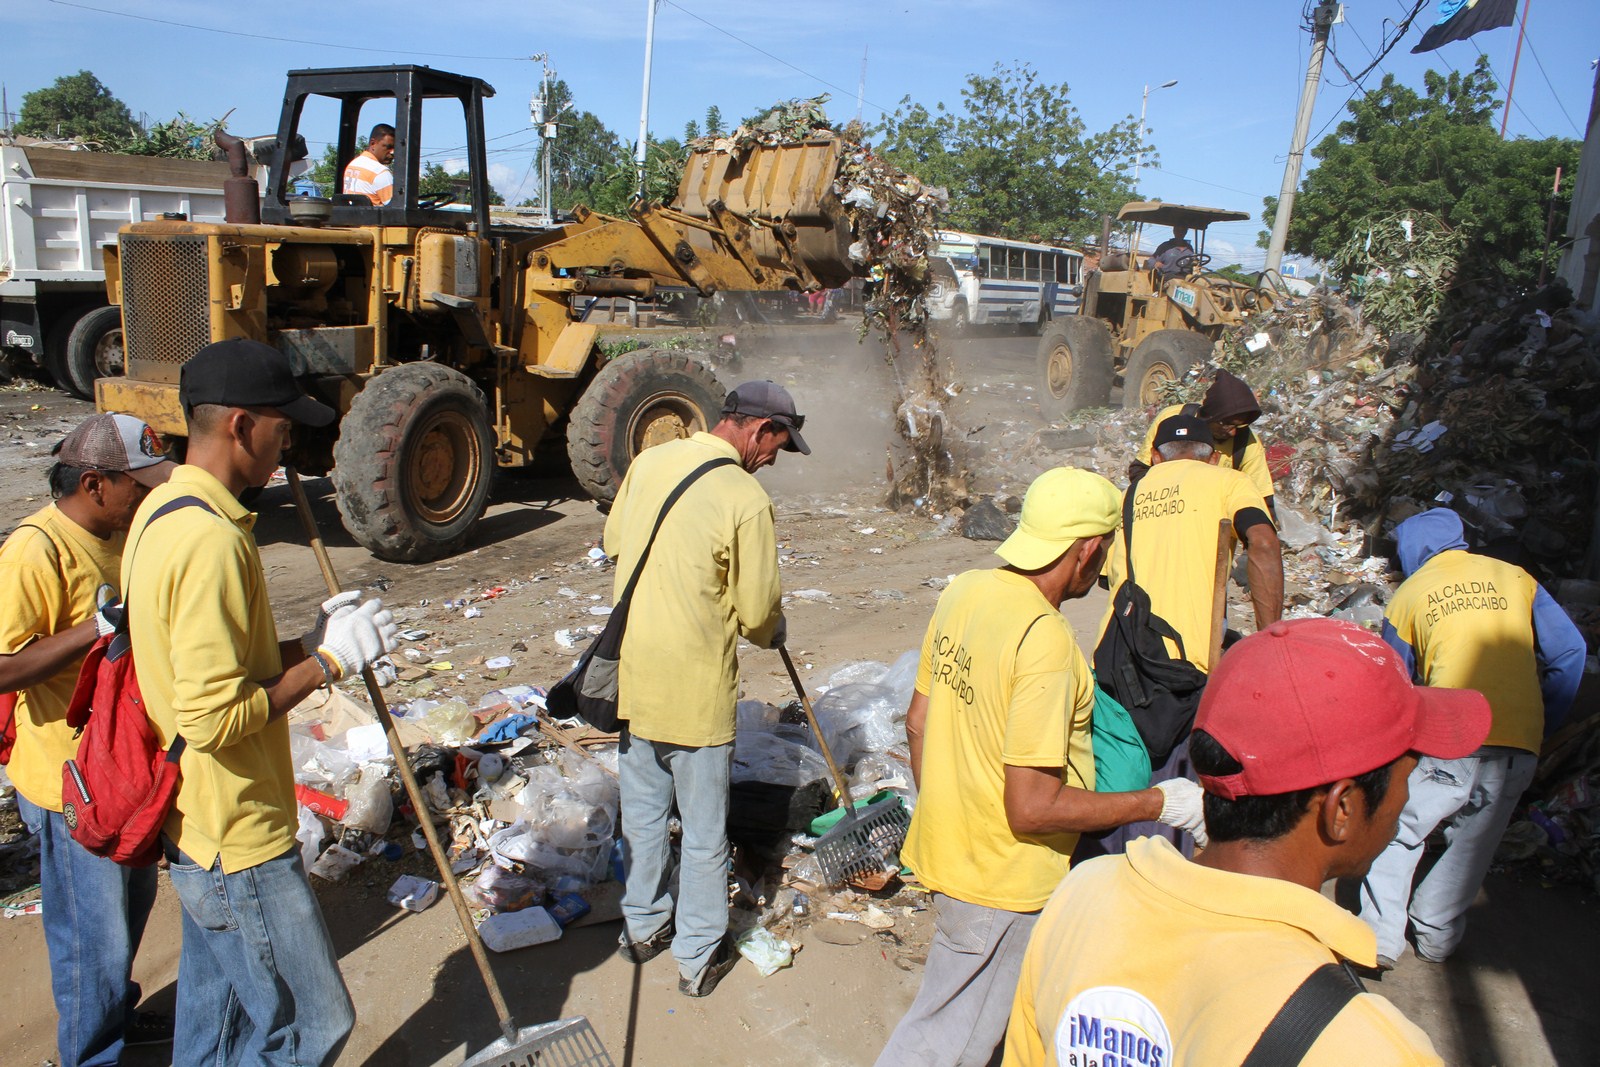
x=1121, y=763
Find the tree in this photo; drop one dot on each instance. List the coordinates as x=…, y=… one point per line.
x=714, y=127
x=76, y=106
x=1438, y=154
x=1017, y=158
x=435, y=179
x=691, y=131
x=584, y=154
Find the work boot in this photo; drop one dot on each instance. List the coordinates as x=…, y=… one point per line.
x=648, y=949
x=148, y=1028
x=721, y=962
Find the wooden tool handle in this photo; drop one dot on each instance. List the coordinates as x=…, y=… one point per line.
x=840, y=782
x=414, y=791
x=1219, y=592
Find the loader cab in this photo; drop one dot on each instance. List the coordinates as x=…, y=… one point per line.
x=338, y=106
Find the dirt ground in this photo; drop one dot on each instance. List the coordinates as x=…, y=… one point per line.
x=1520, y=992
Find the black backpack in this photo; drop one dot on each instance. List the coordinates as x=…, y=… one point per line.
x=1132, y=664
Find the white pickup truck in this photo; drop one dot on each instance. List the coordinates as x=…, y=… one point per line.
x=58, y=209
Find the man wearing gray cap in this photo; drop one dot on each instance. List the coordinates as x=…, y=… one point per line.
x=711, y=578
x=51, y=569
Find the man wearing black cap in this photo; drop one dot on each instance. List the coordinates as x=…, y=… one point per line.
x=51, y=570
x=711, y=579
x=1229, y=408
x=1172, y=523
x=258, y=981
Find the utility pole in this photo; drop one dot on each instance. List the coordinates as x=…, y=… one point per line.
x=544, y=117
x=1322, y=20
x=1511, y=87
x=644, y=104
x=1144, y=106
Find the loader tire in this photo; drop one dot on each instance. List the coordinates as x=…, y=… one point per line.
x=94, y=350
x=1162, y=357
x=638, y=400
x=1075, y=366
x=413, y=462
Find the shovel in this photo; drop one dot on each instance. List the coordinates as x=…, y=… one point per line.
x=573, y=1038
x=859, y=844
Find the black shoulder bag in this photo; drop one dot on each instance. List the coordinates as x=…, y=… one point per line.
x=1308, y=1011
x=590, y=689
x=1132, y=664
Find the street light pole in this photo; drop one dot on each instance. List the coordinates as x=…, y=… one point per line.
x=1144, y=106
x=644, y=104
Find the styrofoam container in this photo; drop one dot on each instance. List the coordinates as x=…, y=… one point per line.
x=509, y=930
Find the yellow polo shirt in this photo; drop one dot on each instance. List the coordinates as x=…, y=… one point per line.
x=1252, y=463
x=1150, y=960
x=712, y=578
x=48, y=578
x=1006, y=684
x=203, y=638
x=1469, y=620
x=1176, y=509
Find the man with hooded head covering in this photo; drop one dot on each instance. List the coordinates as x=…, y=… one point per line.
x=1466, y=621
x=1230, y=407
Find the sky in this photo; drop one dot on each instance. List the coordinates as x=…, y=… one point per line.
x=1221, y=133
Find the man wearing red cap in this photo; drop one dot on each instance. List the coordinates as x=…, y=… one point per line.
x=51, y=569
x=999, y=728
x=1303, y=743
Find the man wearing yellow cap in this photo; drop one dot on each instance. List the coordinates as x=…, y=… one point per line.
x=999, y=731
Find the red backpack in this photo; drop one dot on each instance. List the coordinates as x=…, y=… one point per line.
x=8, y=726
x=117, y=793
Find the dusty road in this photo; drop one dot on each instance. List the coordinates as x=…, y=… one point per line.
x=1521, y=992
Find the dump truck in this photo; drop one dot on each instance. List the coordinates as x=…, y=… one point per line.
x=58, y=209
x=1143, y=322
x=447, y=339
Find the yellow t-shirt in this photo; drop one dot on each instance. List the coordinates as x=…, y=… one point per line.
x=1176, y=509
x=203, y=638
x=1469, y=620
x=1006, y=684
x=712, y=578
x=48, y=578
x=1252, y=463
x=1151, y=960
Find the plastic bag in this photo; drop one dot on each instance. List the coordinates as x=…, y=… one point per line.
x=878, y=771
x=310, y=835
x=859, y=672
x=763, y=756
x=767, y=952
x=501, y=890
x=323, y=765
x=859, y=718
x=450, y=723
x=901, y=679
x=371, y=803
x=520, y=844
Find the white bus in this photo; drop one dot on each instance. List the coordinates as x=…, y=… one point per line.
x=989, y=280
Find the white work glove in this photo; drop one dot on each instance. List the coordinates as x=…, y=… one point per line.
x=780, y=636
x=334, y=605
x=353, y=639
x=107, y=609
x=1182, y=806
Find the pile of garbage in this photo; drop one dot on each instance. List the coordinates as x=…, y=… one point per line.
x=788, y=122
x=527, y=807
x=1558, y=829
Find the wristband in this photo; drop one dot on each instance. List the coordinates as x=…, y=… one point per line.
x=329, y=665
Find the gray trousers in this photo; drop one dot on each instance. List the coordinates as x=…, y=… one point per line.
x=1473, y=799
x=960, y=1014
x=652, y=774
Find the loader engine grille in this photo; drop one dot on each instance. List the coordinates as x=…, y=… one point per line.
x=165, y=303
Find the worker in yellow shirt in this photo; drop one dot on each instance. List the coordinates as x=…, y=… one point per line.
x=710, y=579
x=999, y=727
x=51, y=570
x=258, y=981
x=1229, y=408
x=1304, y=741
x=1469, y=621
x=368, y=174
x=1175, y=513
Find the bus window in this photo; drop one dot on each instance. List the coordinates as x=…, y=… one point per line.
x=986, y=266
x=1031, y=259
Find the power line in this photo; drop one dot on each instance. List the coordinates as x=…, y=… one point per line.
x=769, y=55
x=285, y=40
x=1529, y=41
x=1513, y=99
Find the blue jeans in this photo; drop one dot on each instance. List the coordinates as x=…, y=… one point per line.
x=651, y=775
x=94, y=916
x=257, y=980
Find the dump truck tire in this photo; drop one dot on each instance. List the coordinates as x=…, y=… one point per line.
x=638, y=400
x=94, y=350
x=1075, y=366
x=1162, y=357
x=413, y=462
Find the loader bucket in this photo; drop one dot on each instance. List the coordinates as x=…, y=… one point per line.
x=788, y=182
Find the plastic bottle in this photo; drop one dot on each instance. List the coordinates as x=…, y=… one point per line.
x=509, y=930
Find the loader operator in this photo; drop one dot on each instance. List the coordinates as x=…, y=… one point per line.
x=369, y=173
